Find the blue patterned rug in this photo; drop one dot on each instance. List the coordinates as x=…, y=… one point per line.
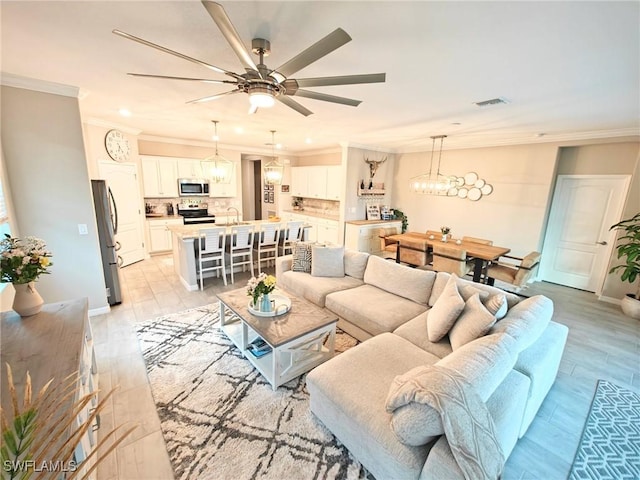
x=610, y=444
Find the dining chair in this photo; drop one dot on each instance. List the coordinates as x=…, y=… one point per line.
x=388, y=247
x=211, y=250
x=415, y=250
x=477, y=240
x=288, y=237
x=266, y=243
x=240, y=247
x=516, y=273
x=451, y=259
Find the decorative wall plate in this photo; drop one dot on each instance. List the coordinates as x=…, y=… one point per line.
x=479, y=183
x=470, y=178
x=460, y=181
x=486, y=189
x=462, y=193
x=474, y=194
x=453, y=192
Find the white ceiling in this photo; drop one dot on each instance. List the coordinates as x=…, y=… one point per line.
x=568, y=69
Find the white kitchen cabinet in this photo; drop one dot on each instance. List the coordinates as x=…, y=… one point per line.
x=327, y=231
x=159, y=176
x=363, y=235
x=189, y=168
x=219, y=190
x=317, y=182
x=334, y=182
x=160, y=237
x=300, y=181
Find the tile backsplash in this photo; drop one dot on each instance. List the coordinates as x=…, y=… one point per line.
x=214, y=205
x=322, y=207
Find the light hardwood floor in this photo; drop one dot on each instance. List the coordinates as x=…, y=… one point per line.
x=602, y=344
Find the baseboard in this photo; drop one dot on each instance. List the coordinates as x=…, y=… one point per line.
x=190, y=288
x=615, y=301
x=93, y=312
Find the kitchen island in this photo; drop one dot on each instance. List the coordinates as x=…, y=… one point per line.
x=186, y=249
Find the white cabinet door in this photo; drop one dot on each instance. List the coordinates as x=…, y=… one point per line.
x=299, y=181
x=334, y=182
x=317, y=182
x=159, y=177
x=328, y=232
x=225, y=189
x=189, y=168
x=160, y=236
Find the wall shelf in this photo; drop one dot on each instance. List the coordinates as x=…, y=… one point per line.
x=377, y=190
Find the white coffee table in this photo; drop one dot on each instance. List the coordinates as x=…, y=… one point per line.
x=300, y=339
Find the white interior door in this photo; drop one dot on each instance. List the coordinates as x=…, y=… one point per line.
x=122, y=179
x=578, y=243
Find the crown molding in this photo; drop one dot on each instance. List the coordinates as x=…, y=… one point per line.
x=97, y=122
x=371, y=148
x=12, y=80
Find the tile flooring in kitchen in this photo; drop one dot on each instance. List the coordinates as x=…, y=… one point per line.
x=602, y=344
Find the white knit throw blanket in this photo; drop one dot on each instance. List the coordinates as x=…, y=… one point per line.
x=467, y=423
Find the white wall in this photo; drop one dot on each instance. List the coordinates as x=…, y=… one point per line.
x=51, y=193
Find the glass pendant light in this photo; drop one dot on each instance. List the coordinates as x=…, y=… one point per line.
x=433, y=182
x=273, y=171
x=216, y=168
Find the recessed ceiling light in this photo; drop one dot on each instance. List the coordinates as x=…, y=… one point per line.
x=278, y=146
x=239, y=130
x=124, y=112
x=308, y=140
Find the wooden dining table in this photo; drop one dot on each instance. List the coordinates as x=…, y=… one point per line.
x=480, y=253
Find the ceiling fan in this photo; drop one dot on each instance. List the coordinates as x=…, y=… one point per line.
x=262, y=84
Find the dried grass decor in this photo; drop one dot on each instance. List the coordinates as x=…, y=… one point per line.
x=41, y=436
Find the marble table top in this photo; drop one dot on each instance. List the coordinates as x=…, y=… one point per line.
x=304, y=317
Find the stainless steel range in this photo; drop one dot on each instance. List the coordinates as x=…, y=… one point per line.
x=195, y=213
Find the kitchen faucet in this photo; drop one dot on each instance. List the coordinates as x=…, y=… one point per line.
x=237, y=222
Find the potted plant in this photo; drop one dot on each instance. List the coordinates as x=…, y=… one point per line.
x=629, y=248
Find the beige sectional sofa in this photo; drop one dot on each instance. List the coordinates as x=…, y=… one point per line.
x=387, y=306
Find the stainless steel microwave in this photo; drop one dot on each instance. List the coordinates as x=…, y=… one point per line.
x=193, y=187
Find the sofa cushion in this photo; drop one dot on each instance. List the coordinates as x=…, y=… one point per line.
x=302, y=257
x=348, y=394
x=355, y=263
x=315, y=289
x=443, y=277
x=372, y=309
x=474, y=322
x=484, y=363
x=497, y=305
x=445, y=312
x=399, y=279
x=327, y=261
x=415, y=330
x=526, y=321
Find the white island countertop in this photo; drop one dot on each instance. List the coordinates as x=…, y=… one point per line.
x=185, y=232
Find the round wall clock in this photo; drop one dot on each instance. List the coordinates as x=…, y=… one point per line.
x=117, y=145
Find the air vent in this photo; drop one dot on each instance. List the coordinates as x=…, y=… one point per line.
x=493, y=101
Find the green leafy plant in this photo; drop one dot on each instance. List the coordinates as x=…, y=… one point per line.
x=399, y=215
x=40, y=439
x=629, y=247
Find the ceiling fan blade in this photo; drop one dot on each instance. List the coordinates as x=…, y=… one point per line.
x=322, y=47
x=338, y=80
x=327, y=98
x=177, y=54
x=166, y=77
x=214, y=97
x=229, y=32
x=295, y=105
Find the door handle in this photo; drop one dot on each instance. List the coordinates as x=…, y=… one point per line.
x=602, y=243
x=118, y=246
x=120, y=261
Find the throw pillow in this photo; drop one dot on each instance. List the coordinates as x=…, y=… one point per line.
x=301, y=257
x=355, y=263
x=497, y=305
x=327, y=261
x=467, y=291
x=445, y=312
x=474, y=322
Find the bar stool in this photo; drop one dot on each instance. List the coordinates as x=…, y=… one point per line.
x=211, y=249
x=292, y=234
x=267, y=243
x=241, y=247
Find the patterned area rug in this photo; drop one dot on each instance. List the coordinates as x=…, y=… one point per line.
x=221, y=419
x=610, y=445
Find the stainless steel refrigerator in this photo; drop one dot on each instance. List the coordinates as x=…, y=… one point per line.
x=107, y=219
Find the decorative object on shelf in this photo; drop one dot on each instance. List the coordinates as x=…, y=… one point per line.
x=362, y=184
x=22, y=262
x=373, y=212
x=469, y=186
x=445, y=233
x=260, y=286
x=117, y=145
x=216, y=167
x=629, y=247
x=273, y=170
x=433, y=182
x=399, y=215
x=375, y=190
x=373, y=167
x=34, y=432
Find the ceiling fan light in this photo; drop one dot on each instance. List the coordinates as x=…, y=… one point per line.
x=261, y=99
